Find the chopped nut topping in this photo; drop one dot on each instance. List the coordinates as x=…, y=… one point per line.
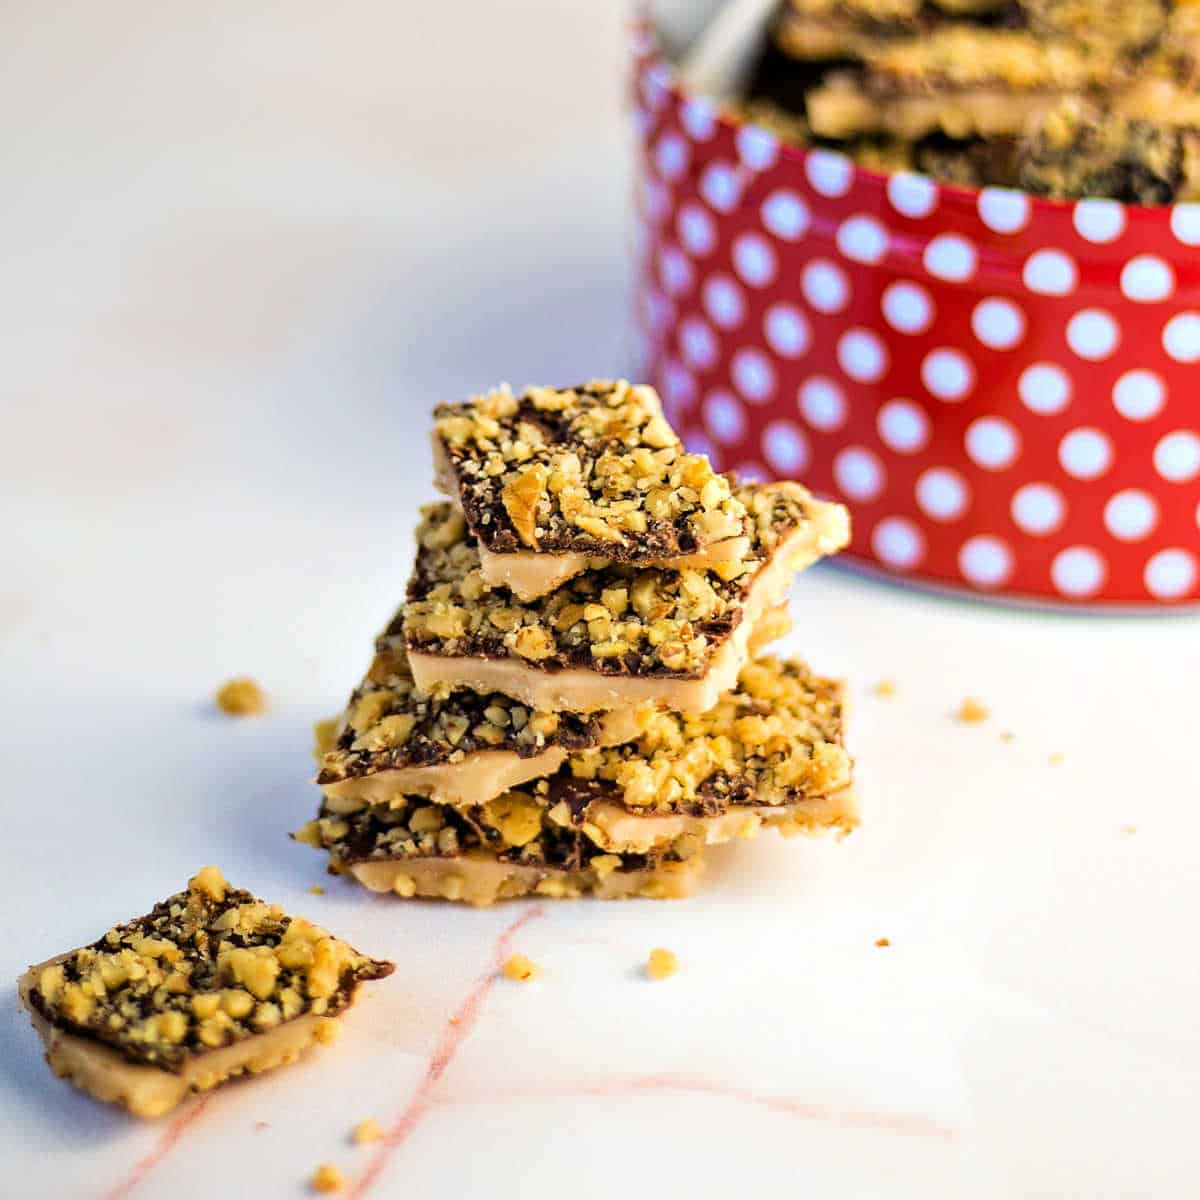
x=520, y=968
x=242, y=698
x=616, y=620
x=662, y=964
x=882, y=942
x=205, y=968
x=327, y=1178
x=389, y=723
x=971, y=711
x=588, y=470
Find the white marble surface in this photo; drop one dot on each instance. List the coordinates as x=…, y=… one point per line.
x=244, y=248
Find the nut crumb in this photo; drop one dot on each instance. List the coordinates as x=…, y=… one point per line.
x=317, y=890
x=882, y=942
x=242, y=698
x=369, y=1130
x=971, y=711
x=1129, y=830
x=327, y=1178
x=885, y=687
x=520, y=968
x=1056, y=759
x=661, y=964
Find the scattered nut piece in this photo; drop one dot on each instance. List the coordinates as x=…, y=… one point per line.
x=662, y=964
x=242, y=698
x=369, y=1130
x=317, y=890
x=882, y=942
x=327, y=1178
x=1129, y=830
x=971, y=711
x=520, y=968
x=1056, y=759
x=1008, y=736
x=885, y=687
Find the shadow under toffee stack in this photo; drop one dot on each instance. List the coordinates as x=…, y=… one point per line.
x=573, y=698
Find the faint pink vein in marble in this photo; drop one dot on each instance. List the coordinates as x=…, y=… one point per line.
x=898, y=1123
x=456, y=1031
x=167, y=1140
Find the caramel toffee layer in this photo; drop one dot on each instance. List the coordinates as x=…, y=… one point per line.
x=393, y=739
x=587, y=471
x=439, y=852
x=611, y=637
x=204, y=970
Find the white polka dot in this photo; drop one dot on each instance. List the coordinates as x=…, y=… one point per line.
x=942, y=494
x=672, y=155
x=1147, y=279
x=1050, y=273
x=1131, y=515
x=656, y=85
x=1177, y=456
x=862, y=239
x=698, y=344
x=1044, y=388
x=723, y=301
x=947, y=374
x=751, y=472
x=697, y=230
x=912, y=195
x=675, y=270
x=1139, y=395
x=992, y=443
x=1085, y=453
x=825, y=286
x=679, y=388
x=699, y=118
x=859, y=473
x=754, y=260
x=862, y=355
x=1003, y=210
x=1093, y=334
x=1170, y=574
x=898, y=542
x=1185, y=223
x=725, y=417
x=787, y=331
x=720, y=187
x=785, y=215
x=985, y=561
x=830, y=173
x=753, y=375
x=903, y=426
x=1181, y=337
x=998, y=323
x=757, y=147
x=1078, y=571
x=907, y=307
x=950, y=257
x=822, y=404
x=785, y=447
x=1038, y=508
x=1099, y=221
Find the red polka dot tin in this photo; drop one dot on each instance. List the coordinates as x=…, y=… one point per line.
x=1003, y=389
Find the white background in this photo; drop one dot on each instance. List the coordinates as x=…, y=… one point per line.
x=244, y=249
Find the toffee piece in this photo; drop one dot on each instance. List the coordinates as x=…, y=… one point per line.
x=210, y=984
x=436, y=852
x=393, y=740
x=557, y=480
x=613, y=637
